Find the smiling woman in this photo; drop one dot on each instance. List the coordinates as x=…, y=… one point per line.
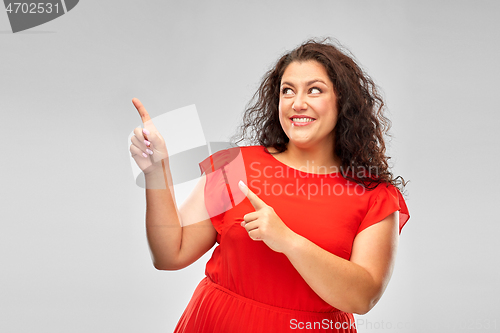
x=311, y=238
x=359, y=125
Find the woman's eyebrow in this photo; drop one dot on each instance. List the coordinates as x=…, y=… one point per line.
x=308, y=83
x=314, y=81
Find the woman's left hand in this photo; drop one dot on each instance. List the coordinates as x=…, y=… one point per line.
x=264, y=224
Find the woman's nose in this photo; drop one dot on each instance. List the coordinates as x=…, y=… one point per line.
x=299, y=103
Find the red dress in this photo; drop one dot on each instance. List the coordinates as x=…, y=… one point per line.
x=250, y=288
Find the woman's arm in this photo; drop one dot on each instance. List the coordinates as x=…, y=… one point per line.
x=176, y=238
x=353, y=286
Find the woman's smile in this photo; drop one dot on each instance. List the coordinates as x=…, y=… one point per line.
x=301, y=120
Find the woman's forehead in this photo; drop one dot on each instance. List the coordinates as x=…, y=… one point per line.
x=304, y=72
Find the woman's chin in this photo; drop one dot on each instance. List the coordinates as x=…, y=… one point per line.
x=302, y=144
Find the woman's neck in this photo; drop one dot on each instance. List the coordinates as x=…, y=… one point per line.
x=320, y=160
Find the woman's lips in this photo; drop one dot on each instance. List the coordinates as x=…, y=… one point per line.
x=302, y=123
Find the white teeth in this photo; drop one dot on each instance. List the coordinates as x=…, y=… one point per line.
x=302, y=120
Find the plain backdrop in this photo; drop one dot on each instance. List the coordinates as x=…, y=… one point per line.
x=73, y=251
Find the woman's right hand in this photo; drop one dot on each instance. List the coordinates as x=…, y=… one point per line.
x=148, y=146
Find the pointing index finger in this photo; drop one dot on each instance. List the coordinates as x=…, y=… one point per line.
x=142, y=110
x=256, y=202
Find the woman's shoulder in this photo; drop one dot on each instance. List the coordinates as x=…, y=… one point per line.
x=255, y=148
x=256, y=151
x=227, y=156
x=385, y=199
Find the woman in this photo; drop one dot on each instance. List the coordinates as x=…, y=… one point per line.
x=311, y=235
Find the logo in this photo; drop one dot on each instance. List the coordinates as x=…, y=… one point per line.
x=25, y=15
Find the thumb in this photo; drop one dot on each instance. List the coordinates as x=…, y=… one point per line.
x=256, y=202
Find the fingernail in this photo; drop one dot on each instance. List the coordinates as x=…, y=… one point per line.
x=149, y=152
x=147, y=143
x=242, y=223
x=243, y=187
x=144, y=154
x=145, y=131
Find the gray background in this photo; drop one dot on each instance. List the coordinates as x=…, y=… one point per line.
x=73, y=250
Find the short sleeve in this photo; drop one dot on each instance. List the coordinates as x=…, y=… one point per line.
x=388, y=200
x=222, y=170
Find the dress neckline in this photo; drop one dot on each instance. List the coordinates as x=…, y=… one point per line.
x=266, y=152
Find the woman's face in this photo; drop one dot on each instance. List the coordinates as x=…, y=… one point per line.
x=308, y=105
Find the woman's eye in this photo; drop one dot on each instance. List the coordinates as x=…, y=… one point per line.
x=287, y=91
x=315, y=90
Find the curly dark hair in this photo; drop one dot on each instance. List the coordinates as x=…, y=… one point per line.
x=361, y=124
